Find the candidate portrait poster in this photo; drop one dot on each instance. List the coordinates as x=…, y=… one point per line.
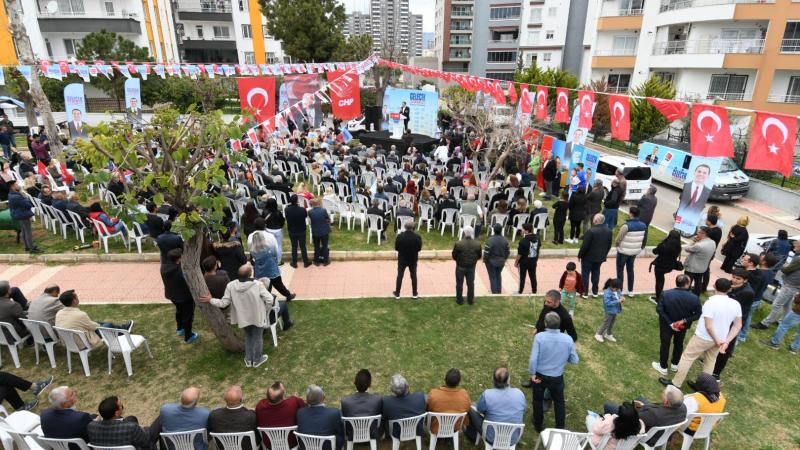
x=133, y=100
x=75, y=107
x=424, y=106
x=590, y=160
x=301, y=88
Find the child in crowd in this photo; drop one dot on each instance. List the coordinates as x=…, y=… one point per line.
x=571, y=285
x=612, y=304
x=560, y=217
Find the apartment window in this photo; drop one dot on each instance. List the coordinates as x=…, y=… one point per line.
x=266, y=33
x=505, y=76
x=624, y=45
x=199, y=30
x=69, y=46
x=71, y=7
x=460, y=39
x=665, y=76
x=619, y=83
x=271, y=58
x=791, y=37
x=221, y=32
x=49, y=48
x=546, y=57
x=630, y=7
x=249, y=58
x=504, y=13
x=552, y=11
x=727, y=86
x=247, y=31
x=460, y=24
x=531, y=59
x=549, y=34
x=501, y=57
x=536, y=15
x=460, y=11
x=459, y=53
x=109, y=8
x=243, y=5
x=533, y=37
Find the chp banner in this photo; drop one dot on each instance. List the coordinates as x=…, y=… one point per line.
x=75, y=106
x=424, y=106
x=133, y=100
x=257, y=95
x=345, y=94
x=301, y=88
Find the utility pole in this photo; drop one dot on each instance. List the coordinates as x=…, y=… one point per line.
x=26, y=57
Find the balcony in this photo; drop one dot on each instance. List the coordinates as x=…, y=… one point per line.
x=460, y=55
x=614, y=58
x=216, y=11
x=684, y=4
x=459, y=41
x=781, y=98
x=90, y=21
x=730, y=96
x=790, y=46
x=615, y=11
x=710, y=47
x=466, y=13
x=616, y=52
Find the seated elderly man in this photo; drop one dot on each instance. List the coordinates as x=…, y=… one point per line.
x=402, y=404
x=184, y=416
x=115, y=430
x=63, y=420
x=277, y=411
x=362, y=403
x=670, y=411
x=45, y=307
x=73, y=318
x=234, y=417
x=448, y=398
x=319, y=420
x=499, y=404
x=404, y=210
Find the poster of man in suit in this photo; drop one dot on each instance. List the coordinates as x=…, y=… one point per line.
x=75, y=105
x=133, y=101
x=696, y=191
x=576, y=137
x=301, y=88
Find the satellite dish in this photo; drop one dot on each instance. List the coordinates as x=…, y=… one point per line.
x=52, y=7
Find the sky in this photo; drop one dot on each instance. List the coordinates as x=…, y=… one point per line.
x=424, y=7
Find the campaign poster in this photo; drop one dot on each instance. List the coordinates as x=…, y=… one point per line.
x=133, y=100
x=590, y=160
x=345, y=92
x=423, y=106
x=75, y=107
x=545, y=151
x=301, y=88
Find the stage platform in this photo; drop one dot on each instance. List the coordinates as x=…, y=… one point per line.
x=422, y=143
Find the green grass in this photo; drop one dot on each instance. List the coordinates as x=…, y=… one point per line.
x=421, y=339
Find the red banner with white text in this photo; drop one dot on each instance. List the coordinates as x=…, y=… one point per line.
x=345, y=92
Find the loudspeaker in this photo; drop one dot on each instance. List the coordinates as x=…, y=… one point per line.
x=372, y=118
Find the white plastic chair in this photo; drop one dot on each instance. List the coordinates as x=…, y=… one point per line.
x=499, y=219
x=409, y=198
x=663, y=439
x=122, y=341
x=400, y=222
x=359, y=214
x=63, y=222
x=707, y=424
x=44, y=335
x=103, y=447
x=346, y=213
x=278, y=437
x=311, y=442
x=105, y=235
x=78, y=225
x=112, y=199
x=24, y=440
x=557, y=439
x=408, y=431
x=426, y=215
x=626, y=444
x=20, y=421
x=466, y=220
x=362, y=430
x=456, y=192
x=138, y=236
x=540, y=224
x=60, y=444
x=13, y=344
x=274, y=317
x=374, y=224
x=53, y=220
x=517, y=223
x=233, y=441
x=343, y=190
x=183, y=440
x=449, y=427
x=68, y=337
x=448, y=220
x=504, y=435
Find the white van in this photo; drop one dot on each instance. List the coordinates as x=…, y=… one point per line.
x=503, y=115
x=637, y=175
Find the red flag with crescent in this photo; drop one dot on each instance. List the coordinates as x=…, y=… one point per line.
x=512, y=93
x=671, y=109
x=710, y=132
x=525, y=104
x=772, y=143
x=586, y=105
x=541, y=102
x=620, y=109
x=562, y=105
x=257, y=95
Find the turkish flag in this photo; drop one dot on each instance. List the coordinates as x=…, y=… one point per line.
x=772, y=143
x=562, y=105
x=586, y=105
x=525, y=99
x=541, y=102
x=41, y=168
x=512, y=93
x=345, y=92
x=257, y=95
x=620, y=109
x=671, y=109
x=711, y=133
x=498, y=94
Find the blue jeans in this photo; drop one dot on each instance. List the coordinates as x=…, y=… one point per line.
x=611, y=217
x=495, y=278
x=790, y=320
x=626, y=262
x=593, y=268
x=746, y=324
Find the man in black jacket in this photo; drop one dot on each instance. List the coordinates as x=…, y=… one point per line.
x=550, y=176
x=742, y=292
x=168, y=241
x=296, y=225
x=154, y=222
x=362, y=403
x=408, y=244
x=552, y=303
x=234, y=418
x=593, y=252
x=466, y=254
x=677, y=309
x=177, y=291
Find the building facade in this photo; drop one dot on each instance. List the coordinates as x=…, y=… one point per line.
x=452, y=40
x=358, y=23
x=390, y=20
x=415, y=43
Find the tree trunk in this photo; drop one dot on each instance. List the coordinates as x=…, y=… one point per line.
x=30, y=112
x=26, y=56
x=197, y=285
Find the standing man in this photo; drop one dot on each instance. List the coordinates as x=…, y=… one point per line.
x=296, y=225
x=630, y=241
x=405, y=111
x=715, y=234
x=677, y=309
x=701, y=251
x=408, y=245
x=167, y=241
x=177, y=291
x=594, y=204
x=593, y=252
x=320, y=232
x=552, y=303
x=720, y=324
x=551, y=352
x=528, y=257
x=647, y=205
x=742, y=292
x=21, y=209
x=466, y=254
x=495, y=253
x=790, y=287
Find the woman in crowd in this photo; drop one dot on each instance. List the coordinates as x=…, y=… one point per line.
x=273, y=217
x=96, y=212
x=668, y=253
x=736, y=243
x=624, y=424
x=302, y=191
x=229, y=251
x=265, y=260
x=520, y=207
x=577, y=211
x=249, y=217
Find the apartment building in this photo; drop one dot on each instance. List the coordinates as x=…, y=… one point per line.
x=415, y=44
x=390, y=21
x=358, y=23
x=744, y=53
x=452, y=41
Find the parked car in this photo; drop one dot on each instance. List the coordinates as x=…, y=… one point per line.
x=638, y=175
x=760, y=242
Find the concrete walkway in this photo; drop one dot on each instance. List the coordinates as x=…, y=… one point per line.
x=141, y=283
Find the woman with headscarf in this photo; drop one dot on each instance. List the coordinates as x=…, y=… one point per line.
x=706, y=400
x=668, y=253
x=274, y=221
x=265, y=262
x=736, y=243
x=622, y=425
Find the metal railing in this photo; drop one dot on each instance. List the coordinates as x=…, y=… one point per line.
x=617, y=89
x=459, y=13
x=683, y=4
x=121, y=14
x=460, y=41
x=614, y=11
x=503, y=41
x=730, y=96
x=710, y=47
x=460, y=55
x=219, y=6
x=790, y=46
x=616, y=52
x=458, y=26
x=784, y=98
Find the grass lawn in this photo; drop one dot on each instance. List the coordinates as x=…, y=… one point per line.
x=422, y=339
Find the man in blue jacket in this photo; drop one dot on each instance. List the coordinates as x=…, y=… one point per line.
x=63, y=421
x=320, y=420
x=21, y=209
x=320, y=231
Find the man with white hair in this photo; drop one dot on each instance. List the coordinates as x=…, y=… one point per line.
x=466, y=253
x=402, y=404
x=471, y=208
x=670, y=411
x=62, y=420
x=319, y=420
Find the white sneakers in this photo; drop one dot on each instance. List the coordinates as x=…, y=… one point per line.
x=629, y=294
x=674, y=368
x=598, y=337
x=610, y=338
x=607, y=337
x=657, y=367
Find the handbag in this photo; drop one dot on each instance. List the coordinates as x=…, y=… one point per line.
x=678, y=265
